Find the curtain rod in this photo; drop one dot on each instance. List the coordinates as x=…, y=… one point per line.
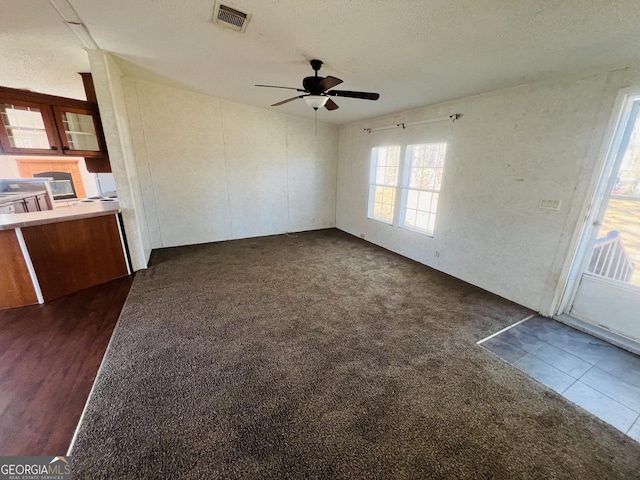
x=453, y=118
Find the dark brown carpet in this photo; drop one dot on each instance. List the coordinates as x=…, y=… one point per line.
x=323, y=356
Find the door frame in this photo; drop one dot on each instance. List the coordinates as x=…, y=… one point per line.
x=601, y=183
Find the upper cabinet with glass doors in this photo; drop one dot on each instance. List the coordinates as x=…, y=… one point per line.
x=40, y=124
x=78, y=129
x=27, y=127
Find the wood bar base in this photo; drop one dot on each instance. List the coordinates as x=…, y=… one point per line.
x=65, y=256
x=15, y=282
x=75, y=255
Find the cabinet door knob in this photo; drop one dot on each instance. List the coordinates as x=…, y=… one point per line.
x=53, y=147
x=65, y=148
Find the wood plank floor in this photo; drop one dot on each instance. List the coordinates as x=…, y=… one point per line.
x=49, y=357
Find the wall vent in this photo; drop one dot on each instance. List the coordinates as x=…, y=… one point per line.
x=230, y=17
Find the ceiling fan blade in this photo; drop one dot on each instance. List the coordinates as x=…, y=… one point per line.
x=288, y=88
x=330, y=105
x=329, y=82
x=347, y=93
x=287, y=100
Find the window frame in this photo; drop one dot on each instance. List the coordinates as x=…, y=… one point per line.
x=373, y=175
x=406, y=178
x=402, y=188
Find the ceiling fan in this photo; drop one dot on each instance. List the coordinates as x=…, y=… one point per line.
x=316, y=90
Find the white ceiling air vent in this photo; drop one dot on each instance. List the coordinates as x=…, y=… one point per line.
x=230, y=17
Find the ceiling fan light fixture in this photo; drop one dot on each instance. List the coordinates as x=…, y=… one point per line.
x=316, y=101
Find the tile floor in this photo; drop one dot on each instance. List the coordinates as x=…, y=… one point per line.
x=592, y=373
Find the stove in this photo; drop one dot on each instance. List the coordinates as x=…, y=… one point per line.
x=106, y=197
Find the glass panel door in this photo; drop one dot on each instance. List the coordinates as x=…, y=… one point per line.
x=616, y=252
x=80, y=131
x=26, y=128
x=608, y=290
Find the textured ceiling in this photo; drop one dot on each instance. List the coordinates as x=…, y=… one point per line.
x=38, y=51
x=413, y=52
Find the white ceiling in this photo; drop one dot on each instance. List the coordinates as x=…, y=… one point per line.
x=413, y=52
x=38, y=51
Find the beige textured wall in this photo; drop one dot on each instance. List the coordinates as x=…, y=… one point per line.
x=509, y=150
x=107, y=79
x=8, y=167
x=214, y=170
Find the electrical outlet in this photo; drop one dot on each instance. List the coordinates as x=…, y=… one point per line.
x=362, y=236
x=550, y=204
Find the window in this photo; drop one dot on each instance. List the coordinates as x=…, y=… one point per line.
x=420, y=177
x=383, y=186
x=421, y=186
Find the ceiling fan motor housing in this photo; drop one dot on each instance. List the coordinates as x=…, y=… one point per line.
x=312, y=85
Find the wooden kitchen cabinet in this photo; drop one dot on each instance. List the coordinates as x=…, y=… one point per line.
x=35, y=203
x=53, y=255
x=27, y=127
x=16, y=284
x=32, y=205
x=79, y=131
x=34, y=123
x=20, y=207
x=42, y=202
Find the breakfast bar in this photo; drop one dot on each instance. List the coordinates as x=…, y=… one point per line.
x=48, y=254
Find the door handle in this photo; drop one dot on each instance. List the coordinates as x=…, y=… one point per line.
x=596, y=224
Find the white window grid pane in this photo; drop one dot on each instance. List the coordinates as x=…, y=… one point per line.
x=386, y=176
x=381, y=154
x=420, y=210
x=385, y=163
x=387, y=156
x=422, y=185
x=385, y=167
x=410, y=217
x=383, y=204
x=425, y=178
x=434, y=154
x=428, y=155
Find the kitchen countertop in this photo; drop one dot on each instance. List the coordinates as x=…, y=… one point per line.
x=11, y=221
x=15, y=196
